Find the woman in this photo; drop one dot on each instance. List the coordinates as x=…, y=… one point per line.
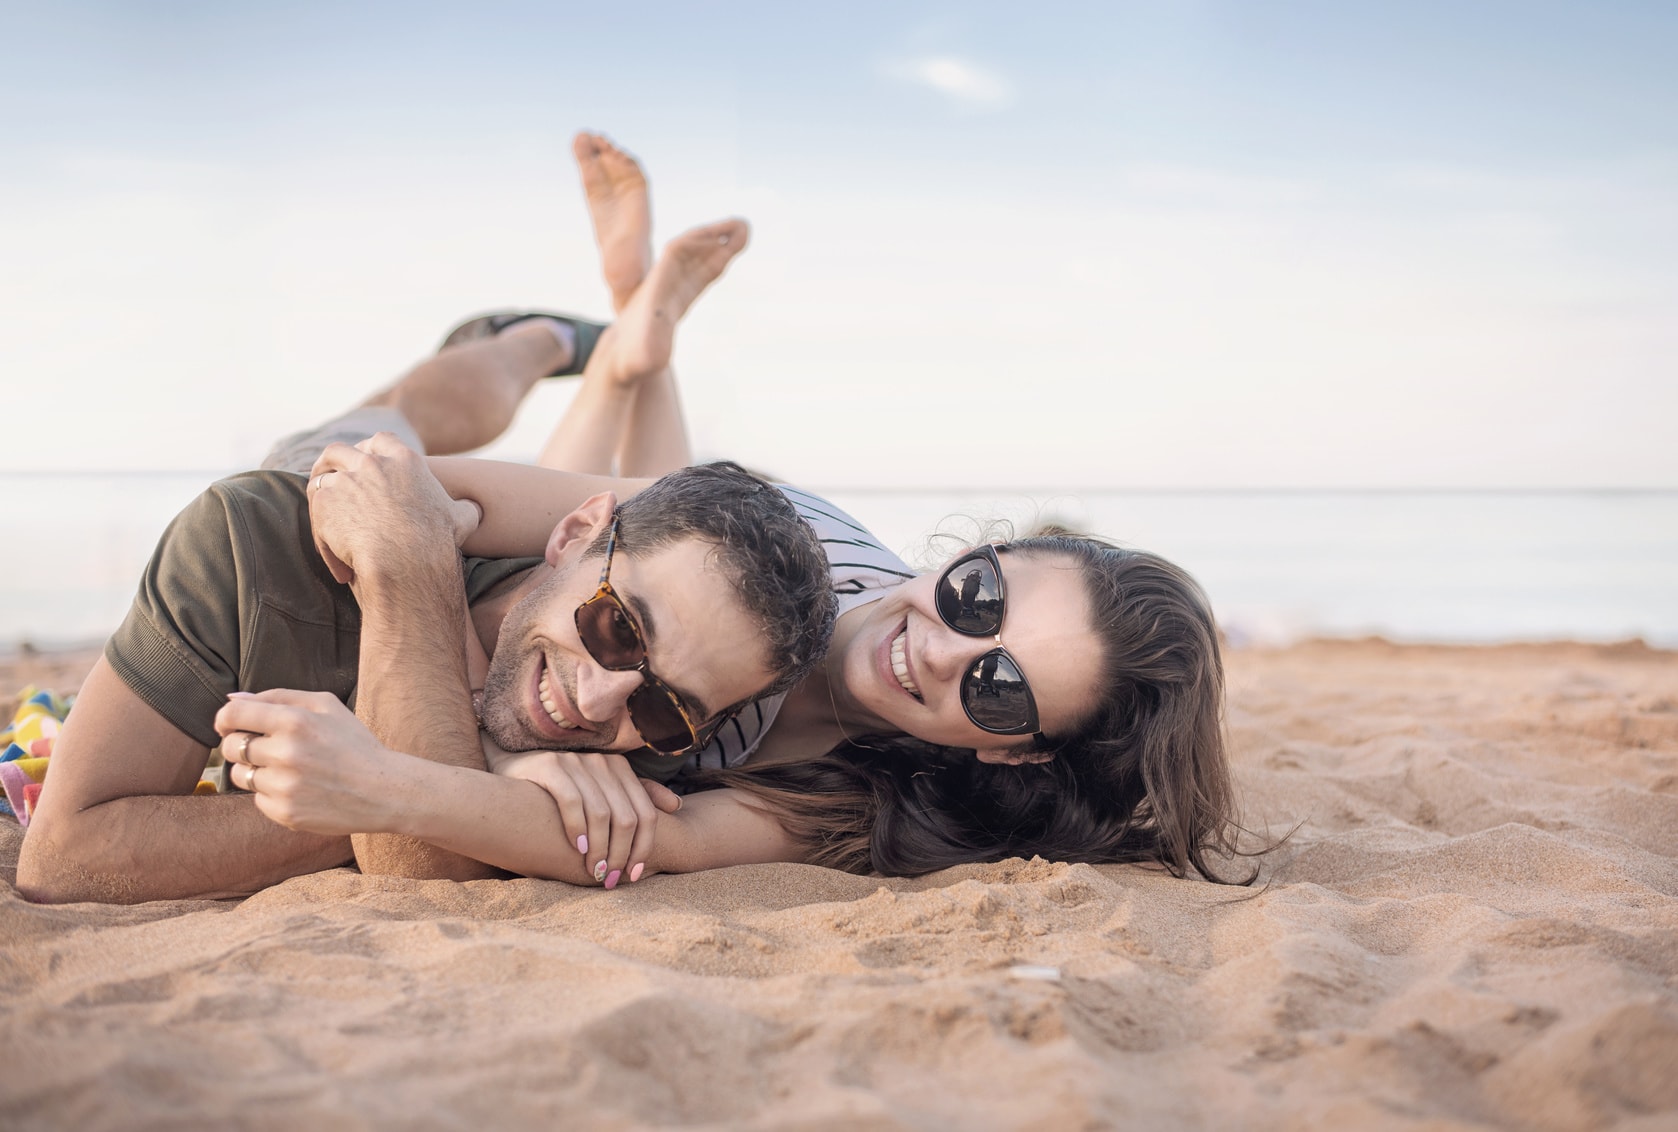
x=1051, y=695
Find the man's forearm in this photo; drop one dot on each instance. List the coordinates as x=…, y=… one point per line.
x=515, y=825
x=414, y=694
x=168, y=847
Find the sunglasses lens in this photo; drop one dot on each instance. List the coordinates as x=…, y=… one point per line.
x=970, y=597
x=660, y=722
x=609, y=635
x=996, y=696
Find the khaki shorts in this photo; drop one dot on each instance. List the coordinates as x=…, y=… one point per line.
x=298, y=452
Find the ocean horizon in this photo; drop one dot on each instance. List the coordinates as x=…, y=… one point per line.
x=1454, y=566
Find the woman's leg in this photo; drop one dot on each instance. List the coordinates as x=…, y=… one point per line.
x=632, y=427
x=628, y=405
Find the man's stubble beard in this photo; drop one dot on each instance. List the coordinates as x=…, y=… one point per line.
x=504, y=685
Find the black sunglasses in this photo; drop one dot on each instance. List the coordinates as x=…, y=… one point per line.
x=613, y=639
x=971, y=599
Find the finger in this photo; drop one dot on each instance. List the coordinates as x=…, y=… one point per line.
x=275, y=798
x=554, y=779
x=236, y=747
x=646, y=826
x=317, y=702
x=254, y=716
x=465, y=514
x=337, y=457
x=269, y=713
x=622, y=794
x=385, y=444
x=598, y=815
x=340, y=570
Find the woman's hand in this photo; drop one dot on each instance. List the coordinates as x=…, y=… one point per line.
x=311, y=764
x=608, y=813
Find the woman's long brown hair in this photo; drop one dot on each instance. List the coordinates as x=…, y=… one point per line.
x=1146, y=778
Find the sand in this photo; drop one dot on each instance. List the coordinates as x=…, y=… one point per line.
x=1475, y=924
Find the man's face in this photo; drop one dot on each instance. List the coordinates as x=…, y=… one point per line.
x=545, y=690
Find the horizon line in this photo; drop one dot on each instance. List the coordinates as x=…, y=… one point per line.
x=211, y=474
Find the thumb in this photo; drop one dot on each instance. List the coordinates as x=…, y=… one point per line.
x=466, y=515
x=660, y=795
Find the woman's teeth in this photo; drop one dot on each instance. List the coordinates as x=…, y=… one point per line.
x=900, y=664
x=548, y=704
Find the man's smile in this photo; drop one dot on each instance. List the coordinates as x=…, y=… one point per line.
x=557, y=713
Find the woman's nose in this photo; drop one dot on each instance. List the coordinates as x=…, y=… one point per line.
x=947, y=655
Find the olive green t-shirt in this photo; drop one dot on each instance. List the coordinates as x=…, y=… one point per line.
x=237, y=599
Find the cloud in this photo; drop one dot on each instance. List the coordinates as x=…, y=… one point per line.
x=956, y=79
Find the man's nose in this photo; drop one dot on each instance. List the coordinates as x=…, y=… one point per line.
x=603, y=695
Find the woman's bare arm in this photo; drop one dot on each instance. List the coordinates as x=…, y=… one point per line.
x=718, y=828
x=521, y=504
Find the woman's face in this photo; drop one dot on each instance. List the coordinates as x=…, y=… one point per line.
x=1045, y=628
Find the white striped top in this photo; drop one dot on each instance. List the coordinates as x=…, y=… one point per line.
x=863, y=570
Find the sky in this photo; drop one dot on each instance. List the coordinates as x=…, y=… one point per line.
x=1154, y=245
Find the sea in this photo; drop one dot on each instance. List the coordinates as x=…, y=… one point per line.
x=1279, y=566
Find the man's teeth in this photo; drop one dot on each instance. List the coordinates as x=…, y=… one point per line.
x=900, y=665
x=548, y=704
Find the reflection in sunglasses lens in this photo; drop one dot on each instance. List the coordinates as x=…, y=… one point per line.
x=995, y=693
x=969, y=597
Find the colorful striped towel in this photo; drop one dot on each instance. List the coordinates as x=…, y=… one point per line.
x=28, y=741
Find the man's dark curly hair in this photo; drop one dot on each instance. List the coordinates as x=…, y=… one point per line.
x=770, y=556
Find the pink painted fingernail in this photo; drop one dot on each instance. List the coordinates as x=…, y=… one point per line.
x=600, y=870
x=635, y=873
x=582, y=844
x=241, y=695
x=612, y=878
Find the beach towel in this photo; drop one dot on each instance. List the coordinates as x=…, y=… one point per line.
x=27, y=742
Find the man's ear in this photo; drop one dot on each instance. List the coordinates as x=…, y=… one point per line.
x=1012, y=756
x=581, y=527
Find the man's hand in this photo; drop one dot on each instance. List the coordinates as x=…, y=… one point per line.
x=608, y=813
x=311, y=763
x=376, y=506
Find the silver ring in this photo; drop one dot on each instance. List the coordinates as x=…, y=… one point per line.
x=320, y=479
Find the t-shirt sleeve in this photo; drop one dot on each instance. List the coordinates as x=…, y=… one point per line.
x=178, y=648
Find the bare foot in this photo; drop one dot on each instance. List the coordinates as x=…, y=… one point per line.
x=617, y=200
x=646, y=328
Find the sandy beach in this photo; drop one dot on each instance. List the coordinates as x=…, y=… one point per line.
x=1474, y=924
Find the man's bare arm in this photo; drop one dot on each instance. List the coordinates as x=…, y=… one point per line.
x=386, y=518
x=320, y=769
x=118, y=822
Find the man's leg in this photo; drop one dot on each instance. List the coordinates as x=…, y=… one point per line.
x=466, y=396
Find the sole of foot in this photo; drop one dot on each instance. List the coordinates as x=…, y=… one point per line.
x=616, y=189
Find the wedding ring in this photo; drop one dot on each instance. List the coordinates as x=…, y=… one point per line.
x=244, y=746
x=250, y=780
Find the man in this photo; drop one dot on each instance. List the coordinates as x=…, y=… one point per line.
x=717, y=593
